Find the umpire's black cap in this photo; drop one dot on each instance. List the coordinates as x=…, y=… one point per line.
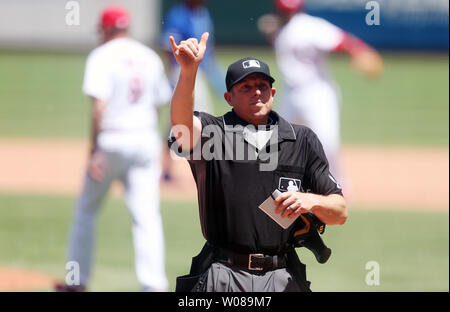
x=244, y=67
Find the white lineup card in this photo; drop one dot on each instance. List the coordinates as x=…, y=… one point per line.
x=269, y=207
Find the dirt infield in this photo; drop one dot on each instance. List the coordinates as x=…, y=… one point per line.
x=12, y=279
x=394, y=178
x=403, y=178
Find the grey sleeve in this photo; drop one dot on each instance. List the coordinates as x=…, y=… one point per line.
x=317, y=174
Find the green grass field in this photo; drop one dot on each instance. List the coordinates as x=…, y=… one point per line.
x=411, y=248
x=407, y=105
x=40, y=96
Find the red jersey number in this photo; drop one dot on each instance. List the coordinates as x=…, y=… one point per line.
x=135, y=90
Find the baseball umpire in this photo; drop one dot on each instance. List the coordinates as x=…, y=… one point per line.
x=238, y=160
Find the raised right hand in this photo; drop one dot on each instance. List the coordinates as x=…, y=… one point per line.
x=189, y=52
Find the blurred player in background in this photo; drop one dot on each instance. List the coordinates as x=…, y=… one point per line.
x=190, y=19
x=126, y=83
x=302, y=43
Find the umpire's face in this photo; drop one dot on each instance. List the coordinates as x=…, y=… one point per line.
x=252, y=98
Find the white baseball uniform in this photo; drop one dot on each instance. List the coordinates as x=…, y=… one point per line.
x=130, y=77
x=312, y=97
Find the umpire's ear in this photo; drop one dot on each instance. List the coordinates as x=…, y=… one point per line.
x=227, y=96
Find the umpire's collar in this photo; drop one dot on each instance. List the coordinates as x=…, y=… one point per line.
x=285, y=129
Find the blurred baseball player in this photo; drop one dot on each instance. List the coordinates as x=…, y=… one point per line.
x=126, y=83
x=302, y=43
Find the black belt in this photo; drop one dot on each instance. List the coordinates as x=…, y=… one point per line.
x=252, y=262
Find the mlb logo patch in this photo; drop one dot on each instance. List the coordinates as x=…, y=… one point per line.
x=289, y=184
x=251, y=63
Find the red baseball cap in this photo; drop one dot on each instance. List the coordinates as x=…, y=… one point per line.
x=289, y=5
x=115, y=17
